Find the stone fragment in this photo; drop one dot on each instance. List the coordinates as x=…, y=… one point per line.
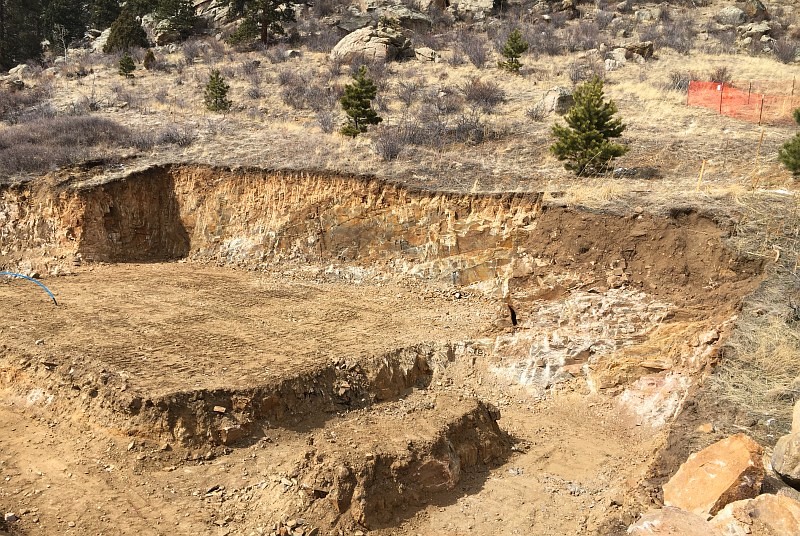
x=219, y=409
x=726, y=471
x=786, y=458
x=766, y=515
x=672, y=522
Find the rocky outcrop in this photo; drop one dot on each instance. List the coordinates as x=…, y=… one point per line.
x=766, y=515
x=672, y=522
x=381, y=43
x=727, y=471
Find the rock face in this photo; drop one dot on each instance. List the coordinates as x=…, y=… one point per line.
x=766, y=515
x=731, y=15
x=729, y=470
x=786, y=458
x=672, y=522
x=383, y=43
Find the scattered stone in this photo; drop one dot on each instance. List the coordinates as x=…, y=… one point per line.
x=786, y=459
x=427, y=54
x=726, y=471
x=292, y=53
x=731, y=15
x=672, y=522
x=766, y=515
x=219, y=409
x=10, y=517
x=643, y=48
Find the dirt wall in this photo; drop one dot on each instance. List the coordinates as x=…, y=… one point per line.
x=254, y=218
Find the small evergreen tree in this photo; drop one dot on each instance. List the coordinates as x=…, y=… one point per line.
x=126, y=66
x=103, y=13
x=216, y=95
x=789, y=154
x=126, y=33
x=262, y=18
x=180, y=15
x=514, y=48
x=585, y=142
x=357, y=104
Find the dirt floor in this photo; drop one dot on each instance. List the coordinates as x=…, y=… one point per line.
x=561, y=462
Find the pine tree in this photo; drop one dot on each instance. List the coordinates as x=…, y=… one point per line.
x=216, y=95
x=180, y=15
x=64, y=21
x=514, y=48
x=585, y=142
x=263, y=18
x=789, y=154
x=126, y=33
x=357, y=104
x=21, y=31
x=103, y=13
x=126, y=66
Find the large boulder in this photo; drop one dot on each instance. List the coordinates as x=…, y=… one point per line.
x=732, y=16
x=755, y=10
x=382, y=43
x=766, y=515
x=726, y=471
x=672, y=522
x=786, y=459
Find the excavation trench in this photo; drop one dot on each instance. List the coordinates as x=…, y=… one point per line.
x=361, y=299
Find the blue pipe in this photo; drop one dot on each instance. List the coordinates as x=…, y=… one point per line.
x=20, y=276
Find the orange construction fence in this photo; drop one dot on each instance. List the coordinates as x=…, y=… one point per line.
x=755, y=101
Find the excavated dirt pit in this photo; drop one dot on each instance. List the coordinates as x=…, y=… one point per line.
x=245, y=352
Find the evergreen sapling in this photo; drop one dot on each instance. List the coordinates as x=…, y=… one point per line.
x=585, y=143
x=357, y=104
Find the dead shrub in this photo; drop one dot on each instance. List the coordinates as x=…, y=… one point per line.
x=785, y=50
x=16, y=105
x=679, y=80
x=389, y=141
x=582, y=36
x=474, y=47
x=485, y=95
x=408, y=91
x=720, y=75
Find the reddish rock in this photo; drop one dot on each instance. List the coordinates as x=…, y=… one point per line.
x=672, y=522
x=729, y=470
x=766, y=515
